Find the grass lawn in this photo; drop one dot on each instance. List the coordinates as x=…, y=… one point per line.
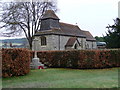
x=65, y=78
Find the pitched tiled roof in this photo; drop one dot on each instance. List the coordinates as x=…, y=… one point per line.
x=88, y=35
x=70, y=29
x=71, y=41
x=49, y=14
x=65, y=29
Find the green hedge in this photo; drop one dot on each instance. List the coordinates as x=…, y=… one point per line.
x=15, y=62
x=80, y=58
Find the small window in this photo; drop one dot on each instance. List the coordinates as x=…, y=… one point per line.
x=43, y=41
x=75, y=47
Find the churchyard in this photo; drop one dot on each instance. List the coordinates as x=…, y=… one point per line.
x=65, y=69
x=59, y=54
x=65, y=78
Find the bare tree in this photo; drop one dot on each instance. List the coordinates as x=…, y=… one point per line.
x=18, y=17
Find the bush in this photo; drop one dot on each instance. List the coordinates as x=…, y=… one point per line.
x=15, y=62
x=0, y=63
x=80, y=58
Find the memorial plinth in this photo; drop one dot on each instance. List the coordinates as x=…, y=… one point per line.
x=35, y=64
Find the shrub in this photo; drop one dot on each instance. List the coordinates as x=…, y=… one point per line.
x=80, y=58
x=0, y=63
x=15, y=62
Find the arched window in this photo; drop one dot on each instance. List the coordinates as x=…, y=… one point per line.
x=43, y=41
x=75, y=47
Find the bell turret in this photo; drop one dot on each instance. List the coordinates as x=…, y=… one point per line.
x=49, y=21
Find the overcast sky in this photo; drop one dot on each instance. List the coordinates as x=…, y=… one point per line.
x=90, y=15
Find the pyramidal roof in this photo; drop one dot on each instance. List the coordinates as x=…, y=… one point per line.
x=49, y=14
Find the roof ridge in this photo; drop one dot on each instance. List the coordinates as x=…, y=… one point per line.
x=68, y=24
x=84, y=31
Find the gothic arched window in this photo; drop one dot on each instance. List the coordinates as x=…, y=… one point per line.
x=43, y=41
x=75, y=47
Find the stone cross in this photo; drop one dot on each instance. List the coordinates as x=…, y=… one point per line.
x=35, y=64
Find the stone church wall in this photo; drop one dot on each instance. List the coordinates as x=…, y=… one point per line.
x=55, y=42
x=37, y=45
x=91, y=45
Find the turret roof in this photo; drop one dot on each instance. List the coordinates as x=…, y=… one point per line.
x=49, y=14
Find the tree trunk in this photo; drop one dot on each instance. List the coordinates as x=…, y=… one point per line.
x=30, y=42
x=30, y=46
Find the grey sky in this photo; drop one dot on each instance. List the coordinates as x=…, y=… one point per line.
x=91, y=15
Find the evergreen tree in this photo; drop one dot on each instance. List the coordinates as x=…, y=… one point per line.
x=99, y=39
x=112, y=38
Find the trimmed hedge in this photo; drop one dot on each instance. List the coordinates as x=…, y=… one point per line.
x=15, y=62
x=0, y=63
x=80, y=58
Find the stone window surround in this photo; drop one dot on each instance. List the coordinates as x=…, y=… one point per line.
x=43, y=41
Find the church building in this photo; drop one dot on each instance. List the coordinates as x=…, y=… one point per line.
x=55, y=35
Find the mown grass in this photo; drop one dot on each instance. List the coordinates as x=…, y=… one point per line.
x=65, y=78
